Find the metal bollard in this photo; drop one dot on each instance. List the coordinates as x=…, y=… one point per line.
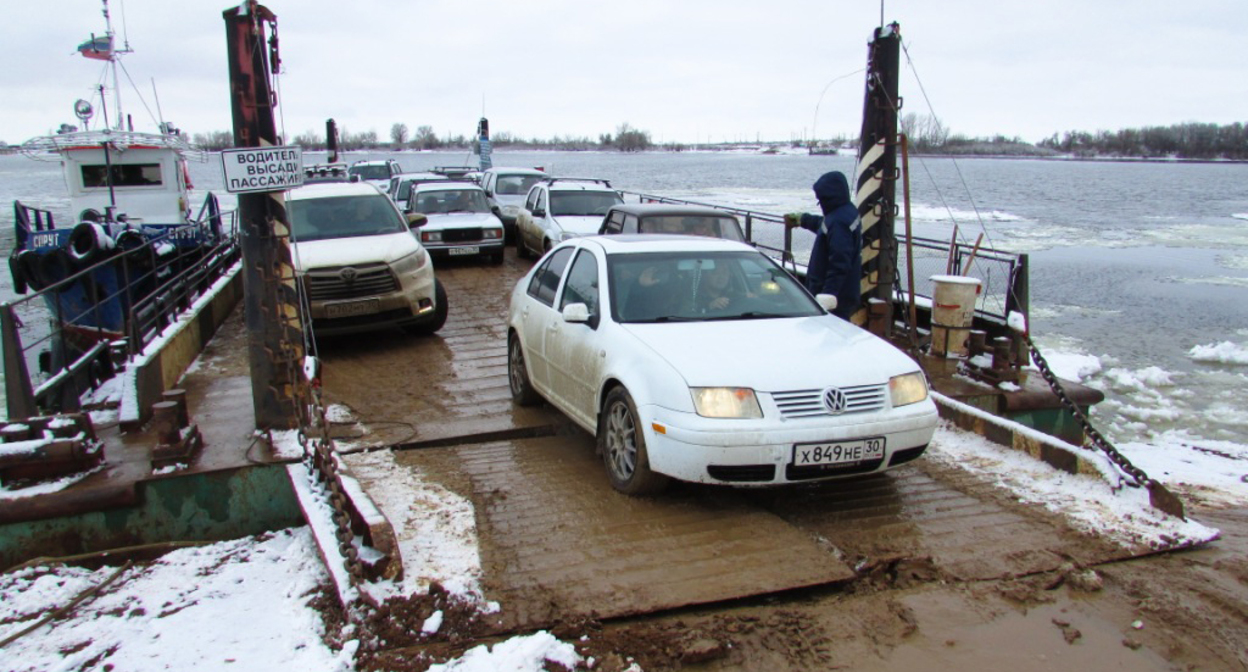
x=165, y=422
x=179, y=397
x=1002, y=357
x=979, y=341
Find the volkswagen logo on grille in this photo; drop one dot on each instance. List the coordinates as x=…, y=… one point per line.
x=348, y=274
x=835, y=400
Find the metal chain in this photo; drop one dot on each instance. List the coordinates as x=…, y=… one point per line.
x=320, y=459
x=1094, y=437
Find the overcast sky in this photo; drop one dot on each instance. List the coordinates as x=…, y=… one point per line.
x=684, y=70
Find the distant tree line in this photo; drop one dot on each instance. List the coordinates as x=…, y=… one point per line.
x=625, y=139
x=1184, y=141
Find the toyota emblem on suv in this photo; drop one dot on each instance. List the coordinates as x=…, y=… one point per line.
x=835, y=400
x=348, y=275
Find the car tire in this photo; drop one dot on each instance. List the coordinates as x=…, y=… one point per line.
x=440, y=311
x=522, y=252
x=622, y=442
x=522, y=391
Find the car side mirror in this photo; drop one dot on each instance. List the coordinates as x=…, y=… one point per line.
x=418, y=219
x=539, y=212
x=826, y=301
x=576, y=312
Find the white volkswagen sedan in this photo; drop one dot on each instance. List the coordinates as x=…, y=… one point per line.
x=704, y=361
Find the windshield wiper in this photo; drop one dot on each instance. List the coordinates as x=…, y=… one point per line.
x=749, y=315
x=667, y=318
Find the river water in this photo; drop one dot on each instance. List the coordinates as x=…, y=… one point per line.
x=1139, y=271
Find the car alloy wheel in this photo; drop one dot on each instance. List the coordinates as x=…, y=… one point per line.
x=522, y=391
x=623, y=446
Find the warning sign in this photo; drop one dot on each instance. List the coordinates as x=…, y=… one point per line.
x=262, y=168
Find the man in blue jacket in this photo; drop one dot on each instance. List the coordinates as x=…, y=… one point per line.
x=836, y=259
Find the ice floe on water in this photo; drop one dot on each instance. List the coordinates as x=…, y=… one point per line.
x=1240, y=215
x=1225, y=352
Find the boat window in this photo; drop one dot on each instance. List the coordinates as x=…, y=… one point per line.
x=124, y=175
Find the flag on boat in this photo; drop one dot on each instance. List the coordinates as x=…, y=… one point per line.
x=99, y=48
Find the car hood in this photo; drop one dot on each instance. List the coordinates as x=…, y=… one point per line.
x=352, y=251
x=581, y=226
x=461, y=220
x=774, y=355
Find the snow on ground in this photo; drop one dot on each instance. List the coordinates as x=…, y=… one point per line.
x=1087, y=501
x=235, y=605
x=436, y=528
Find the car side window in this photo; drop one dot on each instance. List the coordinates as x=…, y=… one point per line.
x=615, y=223
x=630, y=224
x=541, y=200
x=546, y=279
x=582, y=284
x=531, y=202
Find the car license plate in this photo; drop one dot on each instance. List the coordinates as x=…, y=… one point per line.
x=352, y=308
x=463, y=251
x=838, y=452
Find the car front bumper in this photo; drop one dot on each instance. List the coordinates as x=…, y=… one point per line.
x=691, y=448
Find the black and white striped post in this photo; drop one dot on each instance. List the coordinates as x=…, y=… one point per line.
x=875, y=179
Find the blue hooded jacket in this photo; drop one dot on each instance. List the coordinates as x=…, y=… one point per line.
x=836, y=259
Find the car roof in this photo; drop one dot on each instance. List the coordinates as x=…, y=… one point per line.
x=446, y=185
x=649, y=209
x=420, y=176
x=332, y=189
x=373, y=162
x=578, y=186
x=518, y=171
x=662, y=242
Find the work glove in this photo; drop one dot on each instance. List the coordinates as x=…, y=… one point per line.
x=793, y=220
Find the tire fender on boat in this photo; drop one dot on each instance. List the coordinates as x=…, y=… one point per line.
x=131, y=243
x=88, y=243
x=28, y=263
x=18, y=273
x=55, y=266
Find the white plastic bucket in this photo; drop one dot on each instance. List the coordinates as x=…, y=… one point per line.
x=953, y=310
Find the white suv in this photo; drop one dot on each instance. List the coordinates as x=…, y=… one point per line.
x=562, y=208
x=360, y=264
x=376, y=173
x=459, y=220
x=506, y=188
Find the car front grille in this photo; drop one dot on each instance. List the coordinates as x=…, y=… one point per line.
x=809, y=403
x=349, y=282
x=470, y=235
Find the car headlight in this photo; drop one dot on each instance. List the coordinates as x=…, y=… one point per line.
x=725, y=402
x=410, y=263
x=566, y=235
x=908, y=389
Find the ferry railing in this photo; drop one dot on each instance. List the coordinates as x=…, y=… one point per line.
x=52, y=358
x=1002, y=275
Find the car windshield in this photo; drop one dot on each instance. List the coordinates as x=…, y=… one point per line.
x=516, y=185
x=451, y=200
x=705, y=286
x=343, y=217
x=375, y=172
x=712, y=226
x=582, y=203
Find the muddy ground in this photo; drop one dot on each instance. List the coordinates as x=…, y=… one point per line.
x=925, y=568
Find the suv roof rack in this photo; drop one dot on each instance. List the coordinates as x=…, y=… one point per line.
x=458, y=171
x=596, y=180
x=326, y=172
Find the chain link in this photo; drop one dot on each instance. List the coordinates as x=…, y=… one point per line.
x=1094, y=437
x=321, y=460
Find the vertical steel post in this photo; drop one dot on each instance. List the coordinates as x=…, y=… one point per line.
x=19, y=395
x=331, y=140
x=875, y=183
x=274, y=338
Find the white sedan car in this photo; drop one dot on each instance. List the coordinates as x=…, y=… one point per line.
x=704, y=361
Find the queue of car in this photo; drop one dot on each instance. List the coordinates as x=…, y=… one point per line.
x=635, y=323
